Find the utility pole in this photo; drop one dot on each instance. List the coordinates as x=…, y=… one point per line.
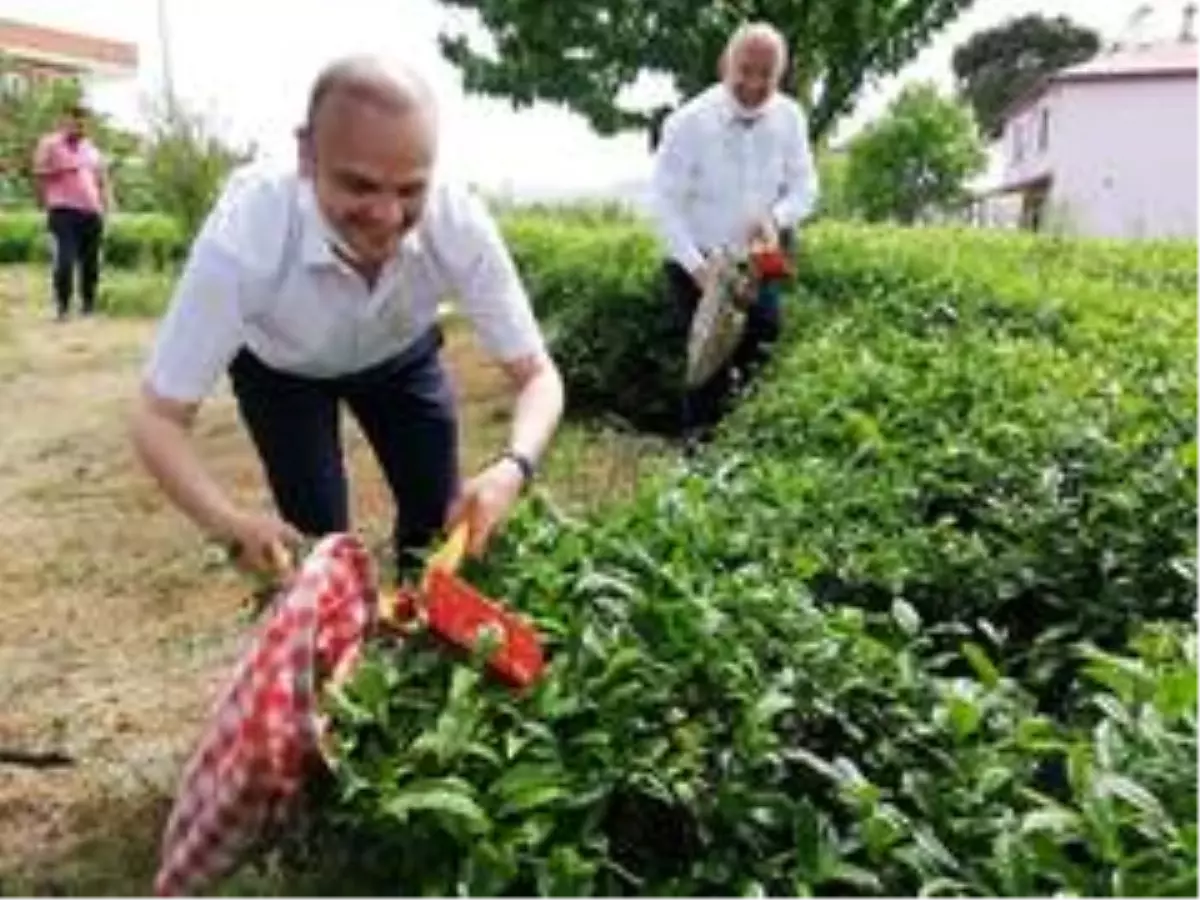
x=164, y=46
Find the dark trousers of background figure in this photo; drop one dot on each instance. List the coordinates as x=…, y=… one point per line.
x=703, y=406
x=405, y=408
x=77, y=235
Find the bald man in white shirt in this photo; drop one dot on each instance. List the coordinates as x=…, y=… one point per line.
x=318, y=285
x=733, y=164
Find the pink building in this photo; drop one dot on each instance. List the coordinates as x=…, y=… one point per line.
x=1108, y=147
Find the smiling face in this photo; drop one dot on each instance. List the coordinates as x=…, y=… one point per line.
x=371, y=164
x=752, y=70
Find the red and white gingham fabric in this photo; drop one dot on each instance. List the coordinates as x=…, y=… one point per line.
x=263, y=733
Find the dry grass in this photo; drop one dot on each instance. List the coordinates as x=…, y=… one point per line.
x=117, y=623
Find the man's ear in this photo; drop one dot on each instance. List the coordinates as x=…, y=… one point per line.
x=304, y=151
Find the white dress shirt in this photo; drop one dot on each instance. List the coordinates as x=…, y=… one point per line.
x=717, y=173
x=262, y=274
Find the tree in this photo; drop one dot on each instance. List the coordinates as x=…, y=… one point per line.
x=584, y=53
x=915, y=159
x=995, y=67
x=185, y=163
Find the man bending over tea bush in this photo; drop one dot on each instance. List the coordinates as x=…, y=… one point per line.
x=734, y=165
x=318, y=284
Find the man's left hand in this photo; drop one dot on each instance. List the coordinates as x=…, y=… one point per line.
x=486, y=501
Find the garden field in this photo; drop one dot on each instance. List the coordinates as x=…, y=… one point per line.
x=920, y=620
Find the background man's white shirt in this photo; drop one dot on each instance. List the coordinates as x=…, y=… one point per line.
x=262, y=274
x=715, y=174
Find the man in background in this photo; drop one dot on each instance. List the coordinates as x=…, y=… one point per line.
x=734, y=165
x=74, y=190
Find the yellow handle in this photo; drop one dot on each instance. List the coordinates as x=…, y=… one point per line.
x=448, y=558
x=450, y=555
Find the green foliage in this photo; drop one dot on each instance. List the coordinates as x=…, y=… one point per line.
x=1024, y=440
x=185, y=165
x=914, y=160
x=832, y=203
x=583, y=53
x=921, y=622
x=131, y=240
x=997, y=66
x=597, y=291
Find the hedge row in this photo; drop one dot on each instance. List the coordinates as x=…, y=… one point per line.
x=131, y=240
x=919, y=622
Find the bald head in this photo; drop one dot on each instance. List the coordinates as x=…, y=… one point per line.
x=393, y=89
x=753, y=63
x=369, y=146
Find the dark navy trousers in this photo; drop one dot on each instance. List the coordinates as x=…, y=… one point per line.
x=405, y=408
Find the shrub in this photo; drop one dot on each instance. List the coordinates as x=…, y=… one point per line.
x=598, y=292
x=919, y=622
x=708, y=730
x=131, y=240
x=980, y=443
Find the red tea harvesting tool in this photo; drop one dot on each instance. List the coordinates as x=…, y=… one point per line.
x=460, y=615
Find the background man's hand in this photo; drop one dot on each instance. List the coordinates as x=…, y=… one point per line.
x=486, y=501
x=264, y=543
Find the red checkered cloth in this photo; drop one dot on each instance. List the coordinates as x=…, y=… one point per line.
x=250, y=763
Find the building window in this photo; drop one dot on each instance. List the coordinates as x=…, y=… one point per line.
x=1018, y=142
x=1044, y=130
x=14, y=82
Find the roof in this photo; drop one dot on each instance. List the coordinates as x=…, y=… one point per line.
x=1149, y=60
x=80, y=51
x=1165, y=59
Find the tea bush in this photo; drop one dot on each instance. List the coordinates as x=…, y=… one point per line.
x=919, y=622
x=706, y=729
x=597, y=290
x=944, y=430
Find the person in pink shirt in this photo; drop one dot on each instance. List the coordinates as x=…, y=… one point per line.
x=74, y=190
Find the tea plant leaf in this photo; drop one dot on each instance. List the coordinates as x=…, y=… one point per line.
x=451, y=797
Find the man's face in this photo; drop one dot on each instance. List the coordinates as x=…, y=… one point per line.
x=370, y=169
x=752, y=73
x=74, y=126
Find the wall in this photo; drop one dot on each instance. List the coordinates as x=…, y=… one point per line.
x=1029, y=142
x=1125, y=160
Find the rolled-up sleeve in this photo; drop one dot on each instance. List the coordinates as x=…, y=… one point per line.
x=800, y=184
x=202, y=329
x=669, y=184
x=484, y=280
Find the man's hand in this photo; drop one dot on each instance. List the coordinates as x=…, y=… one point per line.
x=263, y=543
x=486, y=501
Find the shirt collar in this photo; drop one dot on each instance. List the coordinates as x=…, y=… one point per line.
x=733, y=114
x=318, y=237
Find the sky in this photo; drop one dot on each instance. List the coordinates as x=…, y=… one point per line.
x=231, y=61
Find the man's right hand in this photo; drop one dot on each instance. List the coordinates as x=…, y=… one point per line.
x=263, y=543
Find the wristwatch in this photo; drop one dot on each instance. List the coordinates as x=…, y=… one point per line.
x=523, y=462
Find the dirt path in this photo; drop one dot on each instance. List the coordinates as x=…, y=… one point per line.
x=117, y=623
